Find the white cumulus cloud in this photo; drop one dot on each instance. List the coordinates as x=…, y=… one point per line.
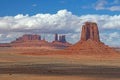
x=114, y=8
x=106, y=5
x=111, y=39
x=62, y=21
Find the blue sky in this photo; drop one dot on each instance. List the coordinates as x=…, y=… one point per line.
x=32, y=7
x=18, y=17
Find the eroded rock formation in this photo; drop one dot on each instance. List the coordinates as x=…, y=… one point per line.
x=31, y=40
x=62, y=38
x=90, y=43
x=27, y=37
x=56, y=37
x=90, y=31
x=60, y=41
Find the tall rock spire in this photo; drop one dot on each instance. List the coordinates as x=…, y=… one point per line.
x=90, y=31
x=56, y=37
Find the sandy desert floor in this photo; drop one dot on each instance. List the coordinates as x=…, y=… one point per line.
x=40, y=77
x=15, y=65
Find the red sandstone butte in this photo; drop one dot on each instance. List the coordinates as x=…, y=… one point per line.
x=90, y=31
x=90, y=42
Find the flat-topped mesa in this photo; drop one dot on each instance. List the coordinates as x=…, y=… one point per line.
x=27, y=37
x=90, y=31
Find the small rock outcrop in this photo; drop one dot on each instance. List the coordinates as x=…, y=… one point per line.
x=56, y=37
x=90, y=31
x=60, y=41
x=5, y=45
x=62, y=38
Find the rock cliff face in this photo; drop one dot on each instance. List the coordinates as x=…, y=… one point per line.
x=90, y=31
x=56, y=37
x=27, y=37
x=62, y=39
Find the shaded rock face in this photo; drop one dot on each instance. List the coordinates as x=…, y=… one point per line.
x=56, y=37
x=28, y=37
x=62, y=38
x=90, y=31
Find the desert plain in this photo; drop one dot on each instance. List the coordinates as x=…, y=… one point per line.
x=17, y=64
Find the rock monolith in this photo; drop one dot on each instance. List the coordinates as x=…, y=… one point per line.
x=90, y=31
x=90, y=42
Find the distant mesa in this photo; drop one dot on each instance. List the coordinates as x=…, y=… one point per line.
x=5, y=45
x=60, y=38
x=27, y=37
x=34, y=40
